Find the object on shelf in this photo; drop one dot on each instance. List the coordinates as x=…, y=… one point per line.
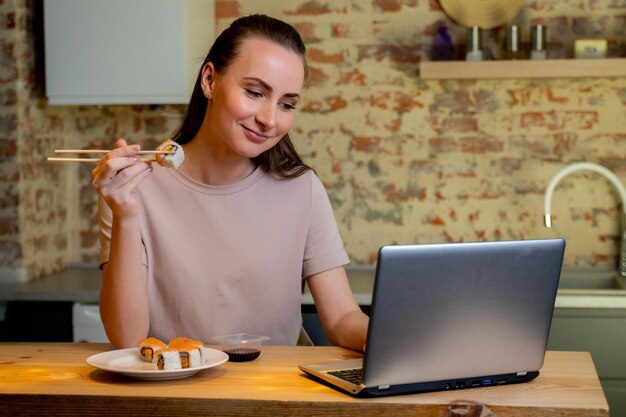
x=474, y=44
x=525, y=68
x=590, y=48
x=443, y=48
x=513, y=42
x=538, y=42
x=486, y=14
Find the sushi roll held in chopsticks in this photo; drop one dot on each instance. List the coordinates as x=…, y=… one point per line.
x=149, y=349
x=170, y=160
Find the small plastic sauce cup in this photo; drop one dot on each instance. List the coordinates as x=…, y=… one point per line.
x=242, y=347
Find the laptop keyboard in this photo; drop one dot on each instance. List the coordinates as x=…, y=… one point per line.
x=351, y=375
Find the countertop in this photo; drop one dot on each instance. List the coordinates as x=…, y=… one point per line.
x=77, y=284
x=46, y=377
x=82, y=284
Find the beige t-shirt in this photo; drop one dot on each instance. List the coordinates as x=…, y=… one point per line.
x=230, y=259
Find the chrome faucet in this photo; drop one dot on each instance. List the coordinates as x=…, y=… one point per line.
x=608, y=175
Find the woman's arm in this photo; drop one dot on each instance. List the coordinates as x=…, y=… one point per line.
x=123, y=296
x=343, y=321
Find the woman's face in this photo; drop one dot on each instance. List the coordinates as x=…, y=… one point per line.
x=252, y=103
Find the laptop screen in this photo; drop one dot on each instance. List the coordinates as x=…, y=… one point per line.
x=458, y=310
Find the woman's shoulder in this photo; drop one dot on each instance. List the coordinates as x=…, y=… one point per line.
x=306, y=185
x=306, y=177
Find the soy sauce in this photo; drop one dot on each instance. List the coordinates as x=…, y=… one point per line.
x=242, y=355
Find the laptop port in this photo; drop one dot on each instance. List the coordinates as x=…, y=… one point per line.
x=460, y=384
x=487, y=381
x=476, y=383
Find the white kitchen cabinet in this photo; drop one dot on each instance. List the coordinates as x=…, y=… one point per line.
x=87, y=325
x=125, y=51
x=602, y=332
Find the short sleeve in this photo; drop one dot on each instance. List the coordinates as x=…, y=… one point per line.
x=324, y=247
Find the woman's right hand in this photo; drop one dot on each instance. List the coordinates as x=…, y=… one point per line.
x=117, y=176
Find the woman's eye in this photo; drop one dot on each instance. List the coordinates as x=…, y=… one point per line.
x=288, y=106
x=254, y=93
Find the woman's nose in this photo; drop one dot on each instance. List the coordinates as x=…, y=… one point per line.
x=266, y=116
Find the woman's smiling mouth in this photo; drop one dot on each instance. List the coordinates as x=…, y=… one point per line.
x=254, y=135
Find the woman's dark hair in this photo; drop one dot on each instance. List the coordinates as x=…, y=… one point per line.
x=281, y=159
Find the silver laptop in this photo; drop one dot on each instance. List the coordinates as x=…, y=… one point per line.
x=454, y=315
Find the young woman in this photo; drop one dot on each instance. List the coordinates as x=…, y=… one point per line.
x=222, y=244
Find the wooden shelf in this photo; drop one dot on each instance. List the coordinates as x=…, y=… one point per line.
x=549, y=68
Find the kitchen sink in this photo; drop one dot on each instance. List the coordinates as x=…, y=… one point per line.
x=591, y=279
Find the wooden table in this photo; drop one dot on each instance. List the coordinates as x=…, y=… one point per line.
x=54, y=379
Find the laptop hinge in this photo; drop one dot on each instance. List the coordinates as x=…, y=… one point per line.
x=522, y=373
x=383, y=387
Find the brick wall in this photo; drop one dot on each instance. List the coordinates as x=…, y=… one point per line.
x=10, y=247
x=404, y=160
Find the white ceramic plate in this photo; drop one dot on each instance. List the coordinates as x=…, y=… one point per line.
x=128, y=362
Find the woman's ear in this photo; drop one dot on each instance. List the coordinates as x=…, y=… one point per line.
x=208, y=79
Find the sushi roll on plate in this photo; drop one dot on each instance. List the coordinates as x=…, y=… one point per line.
x=169, y=359
x=181, y=341
x=190, y=355
x=149, y=349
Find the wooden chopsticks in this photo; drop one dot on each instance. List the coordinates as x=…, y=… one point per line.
x=79, y=151
x=89, y=159
x=99, y=151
